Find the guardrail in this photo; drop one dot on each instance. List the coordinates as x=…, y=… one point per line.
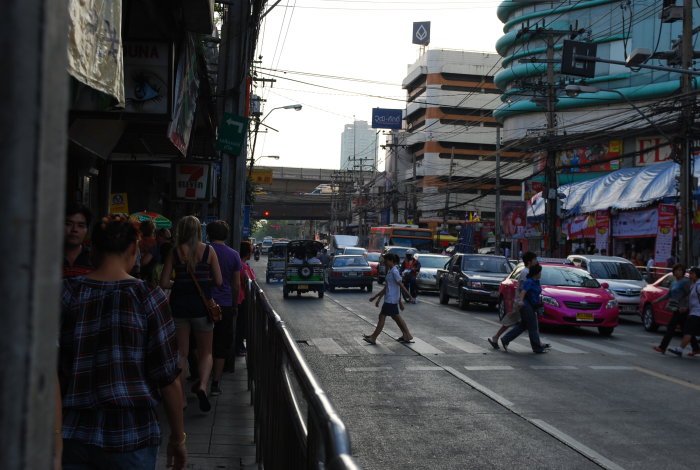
x=296, y=426
x=652, y=274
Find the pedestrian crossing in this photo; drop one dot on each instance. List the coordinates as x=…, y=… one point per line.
x=503, y=368
x=452, y=345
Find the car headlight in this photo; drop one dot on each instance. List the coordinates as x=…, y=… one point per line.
x=425, y=276
x=550, y=301
x=611, y=304
x=475, y=284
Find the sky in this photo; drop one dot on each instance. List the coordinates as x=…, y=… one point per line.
x=365, y=42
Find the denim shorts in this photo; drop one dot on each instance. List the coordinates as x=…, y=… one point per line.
x=79, y=456
x=198, y=324
x=389, y=309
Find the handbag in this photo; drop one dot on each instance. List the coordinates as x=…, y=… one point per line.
x=213, y=309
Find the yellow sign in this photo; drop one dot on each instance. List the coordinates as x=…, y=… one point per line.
x=118, y=203
x=262, y=176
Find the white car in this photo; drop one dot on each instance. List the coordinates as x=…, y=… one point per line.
x=429, y=264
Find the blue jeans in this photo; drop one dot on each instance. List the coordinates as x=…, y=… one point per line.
x=528, y=321
x=79, y=456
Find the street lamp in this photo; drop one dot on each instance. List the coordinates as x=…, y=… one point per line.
x=258, y=122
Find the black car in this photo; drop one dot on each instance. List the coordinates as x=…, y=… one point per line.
x=473, y=278
x=349, y=271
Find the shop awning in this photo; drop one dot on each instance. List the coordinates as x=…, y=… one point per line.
x=629, y=188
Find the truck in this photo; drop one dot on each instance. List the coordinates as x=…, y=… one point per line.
x=472, y=278
x=338, y=242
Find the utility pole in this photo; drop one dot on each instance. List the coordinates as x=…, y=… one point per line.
x=688, y=111
x=497, y=226
x=447, y=192
x=550, y=185
x=414, y=198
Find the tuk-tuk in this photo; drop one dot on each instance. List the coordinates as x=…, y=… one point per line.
x=303, y=268
x=276, y=257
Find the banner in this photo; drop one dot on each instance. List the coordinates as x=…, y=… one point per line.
x=581, y=226
x=588, y=156
x=664, y=236
x=602, y=231
x=513, y=213
x=387, y=118
x=95, y=45
x=635, y=224
x=186, y=93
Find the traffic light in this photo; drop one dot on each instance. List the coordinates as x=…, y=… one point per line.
x=266, y=213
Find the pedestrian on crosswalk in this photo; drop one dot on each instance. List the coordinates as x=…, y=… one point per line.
x=677, y=295
x=392, y=301
x=691, y=327
x=529, y=303
x=512, y=317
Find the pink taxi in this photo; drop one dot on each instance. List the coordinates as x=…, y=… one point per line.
x=570, y=295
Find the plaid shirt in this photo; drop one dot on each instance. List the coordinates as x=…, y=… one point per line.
x=117, y=348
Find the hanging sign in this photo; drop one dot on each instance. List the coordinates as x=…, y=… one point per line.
x=664, y=235
x=602, y=230
x=421, y=33
x=192, y=181
x=118, y=203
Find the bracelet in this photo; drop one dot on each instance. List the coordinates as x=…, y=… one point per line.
x=182, y=442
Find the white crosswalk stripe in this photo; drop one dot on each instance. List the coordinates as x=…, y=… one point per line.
x=562, y=347
x=328, y=346
x=421, y=347
x=378, y=348
x=368, y=369
x=599, y=347
x=462, y=345
x=513, y=346
x=489, y=367
x=553, y=367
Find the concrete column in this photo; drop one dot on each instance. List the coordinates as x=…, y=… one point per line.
x=33, y=91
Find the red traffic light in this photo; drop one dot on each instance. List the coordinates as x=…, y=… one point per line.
x=266, y=213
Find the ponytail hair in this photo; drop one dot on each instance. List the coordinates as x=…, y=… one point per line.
x=113, y=234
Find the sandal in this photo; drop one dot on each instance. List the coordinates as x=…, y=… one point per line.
x=493, y=344
x=368, y=339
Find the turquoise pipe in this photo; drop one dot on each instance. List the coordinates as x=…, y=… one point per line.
x=504, y=77
x=642, y=92
x=542, y=50
x=587, y=81
x=509, y=40
x=505, y=9
x=555, y=11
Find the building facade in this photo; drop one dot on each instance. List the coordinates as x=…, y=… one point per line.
x=358, y=147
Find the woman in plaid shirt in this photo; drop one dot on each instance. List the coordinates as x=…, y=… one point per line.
x=117, y=360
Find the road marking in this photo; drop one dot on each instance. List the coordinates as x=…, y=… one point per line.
x=513, y=346
x=599, y=347
x=368, y=369
x=477, y=386
x=421, y=347
x=421, y=368
x=465, y=346
x=489, y=367
x=374, y=348
x=576, y=445
x=488, y=321
x=563, y=348
x=554, y=367
x=611, y=367
x=328, y=346
x=667, y=377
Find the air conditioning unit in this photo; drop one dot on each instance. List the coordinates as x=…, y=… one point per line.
x=671, y=14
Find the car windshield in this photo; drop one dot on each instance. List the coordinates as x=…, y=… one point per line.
x=373, y=256
x=421, y=245
x=354, y=251
x=615, y=270
x=277, y=251
x=433, y=261
x=345, y=261
x=567, y=277
x=483, y=264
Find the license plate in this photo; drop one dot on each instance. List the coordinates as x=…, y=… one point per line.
x=584, y=317
x=302, y=286
x=353, y=274
x=494, y=294
x=628, y=308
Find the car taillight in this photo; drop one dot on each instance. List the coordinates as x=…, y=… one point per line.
x=366, y=273
x=337, y=274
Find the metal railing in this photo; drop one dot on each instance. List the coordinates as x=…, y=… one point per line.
x=296, y=426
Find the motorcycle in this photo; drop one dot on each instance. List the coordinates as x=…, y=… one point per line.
x=256, y=253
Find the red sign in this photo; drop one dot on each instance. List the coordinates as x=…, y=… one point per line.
x=602, y=230
x=587, y=156
x=581, y=226
x=656, y=155
x=664, y=236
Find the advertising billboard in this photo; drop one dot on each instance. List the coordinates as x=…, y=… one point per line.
x=588, y=156
x=421, y=33
x=383, y=118
x=513, y=213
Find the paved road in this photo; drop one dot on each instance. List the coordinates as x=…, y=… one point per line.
x=451, y=402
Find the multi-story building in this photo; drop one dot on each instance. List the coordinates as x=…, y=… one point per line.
x=445, y=157
x=358, y=147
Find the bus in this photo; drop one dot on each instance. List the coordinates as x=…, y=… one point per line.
x=421, y=239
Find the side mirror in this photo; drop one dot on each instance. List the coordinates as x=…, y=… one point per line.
x=605, y=285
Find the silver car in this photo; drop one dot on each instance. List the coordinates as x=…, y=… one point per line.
x=429, y=264
x=623, y=278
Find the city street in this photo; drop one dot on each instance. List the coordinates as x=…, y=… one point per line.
x=449, y=401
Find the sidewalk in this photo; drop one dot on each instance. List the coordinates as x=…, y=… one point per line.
x=223, y=437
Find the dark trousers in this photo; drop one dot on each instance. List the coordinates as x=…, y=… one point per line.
x=528, y=321
x=411, y=286
x=678, y=319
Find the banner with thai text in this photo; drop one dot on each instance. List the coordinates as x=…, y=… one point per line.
x=637, y=224
x=602, y=231
x=664, y=236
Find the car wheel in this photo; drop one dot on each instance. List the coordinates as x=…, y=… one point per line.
x=501, y=308
x=285, y=292
x=369, y=288
x=444, y=298
x=648, y=319
x=320, y=294
x=463, y=302
x=606, y=330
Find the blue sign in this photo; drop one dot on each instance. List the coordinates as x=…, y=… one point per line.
x=246, y=221
x=387, y=118
x=421, y=33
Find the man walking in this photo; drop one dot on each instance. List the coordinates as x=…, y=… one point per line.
x=692, y=324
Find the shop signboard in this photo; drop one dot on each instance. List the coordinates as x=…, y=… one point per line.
x=533, y=229
x=192, y=181
x=583, y=159
x=118, y=203
x=602, y=230
x=531, y=188
x=383, y=118
x=581, y=226
x=513, y=213
x=637, y=224
x=657, y=155
x=262, y=176
x=664, y=235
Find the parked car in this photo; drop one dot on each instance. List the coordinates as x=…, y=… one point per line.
x=381, y=269
x=349, y=271
x=373, y=260
x=472, y=278
x=429, y=265
x=303, y=269
x=655, y=315
x=571, y=296
x=276, y=256
x=623, y=278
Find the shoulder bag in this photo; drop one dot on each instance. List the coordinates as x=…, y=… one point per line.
x=213, y=309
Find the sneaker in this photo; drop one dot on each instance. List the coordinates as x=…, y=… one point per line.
x=541, y=351
x=658, y=349
x=694, y=353
x=215, y=389
x=677, y=351
x=505, y=345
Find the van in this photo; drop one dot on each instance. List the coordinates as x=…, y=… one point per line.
x=339, y=242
